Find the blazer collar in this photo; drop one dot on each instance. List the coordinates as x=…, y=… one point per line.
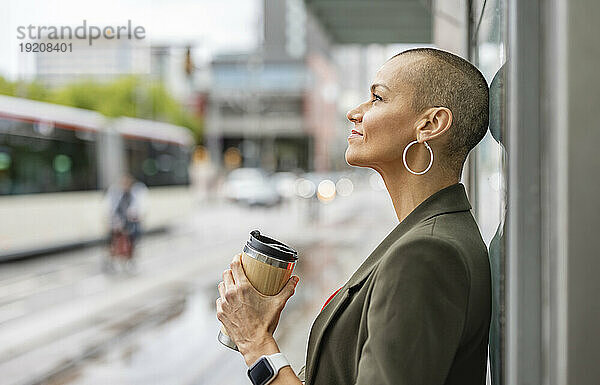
x=447, y=200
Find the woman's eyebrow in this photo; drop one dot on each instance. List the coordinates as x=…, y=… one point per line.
x=373, y=86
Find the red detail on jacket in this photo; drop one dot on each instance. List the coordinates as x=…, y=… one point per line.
x=330, y=298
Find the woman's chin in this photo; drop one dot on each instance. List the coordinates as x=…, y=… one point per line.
x=354, y=160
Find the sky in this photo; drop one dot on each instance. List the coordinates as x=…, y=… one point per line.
x=209, y=25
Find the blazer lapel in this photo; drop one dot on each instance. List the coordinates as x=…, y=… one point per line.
x=340, y=301
x=450, y=199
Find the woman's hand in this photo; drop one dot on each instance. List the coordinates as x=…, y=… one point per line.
x=249, y=317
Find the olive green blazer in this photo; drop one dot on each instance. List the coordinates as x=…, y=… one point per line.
x=417, y=311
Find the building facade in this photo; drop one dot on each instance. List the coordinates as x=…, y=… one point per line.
x=271, y=107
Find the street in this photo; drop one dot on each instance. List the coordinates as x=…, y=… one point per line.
x=64, y=321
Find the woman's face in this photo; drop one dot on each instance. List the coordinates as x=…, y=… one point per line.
x=384, y=124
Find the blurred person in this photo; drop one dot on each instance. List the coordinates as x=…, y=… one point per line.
x=126, y=204
x=417, y=311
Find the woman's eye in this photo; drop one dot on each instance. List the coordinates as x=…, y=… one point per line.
x=376, y=98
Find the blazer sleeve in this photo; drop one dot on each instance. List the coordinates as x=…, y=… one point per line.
x=416, y=315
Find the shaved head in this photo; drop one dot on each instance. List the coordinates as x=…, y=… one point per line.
x=441, y=79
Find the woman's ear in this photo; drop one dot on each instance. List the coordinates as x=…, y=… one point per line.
x=436, y=122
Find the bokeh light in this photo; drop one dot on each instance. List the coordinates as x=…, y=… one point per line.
x=344, y=187
x=376, y=182
x=305, y=188
x=62, y=163
x=326, y=190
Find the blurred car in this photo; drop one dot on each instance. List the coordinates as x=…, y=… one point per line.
x=250, y=186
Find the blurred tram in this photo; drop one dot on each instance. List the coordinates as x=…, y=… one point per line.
x=56, y=163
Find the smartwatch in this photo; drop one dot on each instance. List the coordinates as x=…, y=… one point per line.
x=265, y=369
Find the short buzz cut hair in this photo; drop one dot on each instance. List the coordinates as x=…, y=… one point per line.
x=443, y=79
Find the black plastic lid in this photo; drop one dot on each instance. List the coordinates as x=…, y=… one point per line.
x=271, y=247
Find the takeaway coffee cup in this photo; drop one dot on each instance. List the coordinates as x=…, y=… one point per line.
x=268, y=264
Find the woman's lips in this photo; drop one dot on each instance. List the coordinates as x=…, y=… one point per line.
x=355, y=134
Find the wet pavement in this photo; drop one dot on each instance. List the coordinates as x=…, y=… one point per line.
x=63, y=321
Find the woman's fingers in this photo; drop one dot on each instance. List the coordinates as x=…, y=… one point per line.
x=221, y=288
x=228, y=279
x=238, y=271
x=219, y=305
x=288, y=289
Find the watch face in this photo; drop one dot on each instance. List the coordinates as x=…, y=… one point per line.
x=261, y=372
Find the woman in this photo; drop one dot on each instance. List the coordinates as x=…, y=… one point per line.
x=417, y=311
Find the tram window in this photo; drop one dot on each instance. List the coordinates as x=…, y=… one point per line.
x=158, y=163
x=41, y=158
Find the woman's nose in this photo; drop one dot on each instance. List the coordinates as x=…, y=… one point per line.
x=354, y=115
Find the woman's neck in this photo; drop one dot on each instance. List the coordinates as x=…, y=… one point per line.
x=407, y=191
